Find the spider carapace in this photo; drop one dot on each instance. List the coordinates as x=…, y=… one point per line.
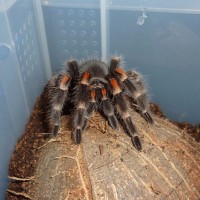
x=96, y=86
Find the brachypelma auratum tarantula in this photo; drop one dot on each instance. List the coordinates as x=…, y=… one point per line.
x=94, y=85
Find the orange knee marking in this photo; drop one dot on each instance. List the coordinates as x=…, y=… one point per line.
x=65, y=79
x=115, y=86
x=86, y=75
x=85, y=78
x=114, y=83
x=64, y=82
x=103, y=92
x=120, y=71
x=93, y=95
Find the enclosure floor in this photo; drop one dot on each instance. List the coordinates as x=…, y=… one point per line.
x=28, y=150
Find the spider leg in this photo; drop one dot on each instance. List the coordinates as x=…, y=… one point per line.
x=58, y=85
x=79, y=122
x=83, y=108
x=123, y=109
x=135, y=87
x=140, y=96
x=108, y=110
x=90, y=108
x=73, y=68
x=114, y=63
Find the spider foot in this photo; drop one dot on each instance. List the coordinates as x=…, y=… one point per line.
x=148, y=117
x=129, y=126
x=55, y=130
x=115, y=61
x=76, y=136
x=85, y=124
x=112, y=121
x=136, y=142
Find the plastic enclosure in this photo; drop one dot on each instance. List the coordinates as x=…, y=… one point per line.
x=22, y=75
x=161, y=39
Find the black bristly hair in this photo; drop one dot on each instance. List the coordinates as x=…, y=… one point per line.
x=93, y=85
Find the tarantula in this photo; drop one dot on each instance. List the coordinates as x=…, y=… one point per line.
x=96, y=86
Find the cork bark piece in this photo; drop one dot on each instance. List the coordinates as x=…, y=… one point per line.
x=106, y=165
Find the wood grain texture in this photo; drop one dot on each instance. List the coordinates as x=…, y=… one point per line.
x=107, y=166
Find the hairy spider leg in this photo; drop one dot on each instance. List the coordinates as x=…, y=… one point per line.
x=90, y=109
x=80, y=115
x=132, y=82
x=59, y=99
x=140, y=95
x=114, y=63
x=73, y=69
x=123, y=109
x=108, y=110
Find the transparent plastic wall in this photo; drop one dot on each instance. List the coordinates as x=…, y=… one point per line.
x=73, y=30
x=161, y=39
x=24, y=70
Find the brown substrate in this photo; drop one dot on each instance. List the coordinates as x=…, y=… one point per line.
x=193, y=130
x=27, y=152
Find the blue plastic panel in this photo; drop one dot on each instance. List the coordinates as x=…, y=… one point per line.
x=23, y=29
x=72, y=33
x=160, y=38
x=166, y=48
x=70, y=3
x=176, y=6
x=22, y=76
x=5, y=4
x=13, y=110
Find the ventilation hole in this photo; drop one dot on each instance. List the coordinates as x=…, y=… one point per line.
x=61, y=23
x=81, y=12
x=73, y=33
x=63, y=33
x=83, y=33
x=20, y=31
x=23, y=42
x=91, y=12
x=94, y=33
x=84, y=43
x=94, y=43
x=20, y=58
x=25, y=52
x=82, y=23
x=71, y=22
x=95, y=53
x=64, y=42
x=92, y=23
x=70, y=12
